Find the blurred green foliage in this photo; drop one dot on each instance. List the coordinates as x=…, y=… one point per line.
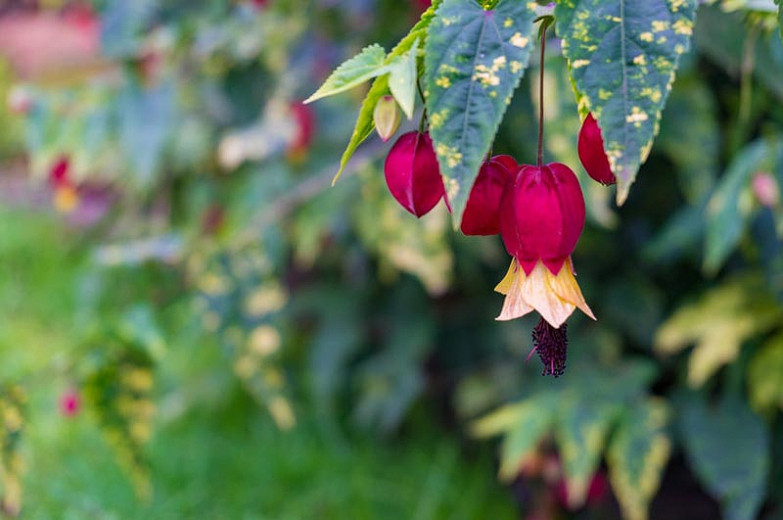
x=253, y=344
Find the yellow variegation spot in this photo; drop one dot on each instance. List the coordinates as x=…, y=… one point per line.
x=659, y=25
x=683, y=26
x=646, y=36
x=443, y=82
x=580, y=63
x=519, y=41
x=450, y=153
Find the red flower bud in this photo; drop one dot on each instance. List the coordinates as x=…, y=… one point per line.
x=591, y=152
x=70, y=403
x=304, y=119
x=482, y=209
x=412, y=173
x=509, y=162
x=542, y=213
x=58, y=175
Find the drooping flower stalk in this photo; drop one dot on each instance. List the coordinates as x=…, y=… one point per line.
x=542, y=214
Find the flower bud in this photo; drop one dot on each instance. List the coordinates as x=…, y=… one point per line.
x=20, y=100
x=412, y=173
x=70, y=403
x=386, y=117
x=592, y=154
x=482, y=209
x=766, y=190
x=509, y=162
x=542, y=213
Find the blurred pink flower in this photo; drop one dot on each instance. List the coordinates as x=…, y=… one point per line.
x=70, y=403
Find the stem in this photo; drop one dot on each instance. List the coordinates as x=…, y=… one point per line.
x=540, y=159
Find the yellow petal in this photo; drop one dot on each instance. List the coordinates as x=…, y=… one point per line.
x=514, y=305
x=505, y=284
x=538, y=293
x=66, y=199
x=567, y=289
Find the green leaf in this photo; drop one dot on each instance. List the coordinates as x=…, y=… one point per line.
x=380, y=87
x=690, y=123
x=402, y=80
x=534, y=421
x=523, y=424
x=13, y=418
x=581, y=431
x=637, y=456
x=474, y=60
x=369, y=63
x=727, y=213
x=718, y=324
x=780, y=16
x=765, y=376
x=728, y=447
x=623, y=55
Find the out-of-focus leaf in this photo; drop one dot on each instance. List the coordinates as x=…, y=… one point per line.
x=392, y=379
x=637, y=455
x=380, y=87
x=369, y=63
x=402, y=79
x=717, y=35
x=779, y=3
x=680, y=235
x=727, y=211
x=623, y=56
x=636, y=306
x=718, y=323
x=581, y=431
x=535, y=417
x=146, y=117
x=474, y=60
x=241, y=300
x=765, y=376
x=123, y=23
x=690, y=135
x=768, y=235
x=728, y=447
x=12, y=424
x=418, y=247
x=118, y=386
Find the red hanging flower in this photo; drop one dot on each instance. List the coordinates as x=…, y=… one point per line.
x=592, y=154
x=413, y=174
x=542, y=214
x=481, y=215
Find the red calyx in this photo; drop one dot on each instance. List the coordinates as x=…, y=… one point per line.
x=542, y=214
x=412, y=173
x=305, y=123
x=591, y=152
x=58, y=175
x=70, y=403
x=482, y=210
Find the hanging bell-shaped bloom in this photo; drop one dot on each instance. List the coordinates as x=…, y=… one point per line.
x=592, y=154
x=413, y=174
x=542, y=214
x=482, y=210
x=386, y=117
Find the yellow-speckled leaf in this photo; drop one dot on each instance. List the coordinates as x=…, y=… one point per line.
x=581, y=432
x=637, y=455
x=12, y=424
x=718, y=324
x=474, y=59
x=765, y=376
x=623, y=55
